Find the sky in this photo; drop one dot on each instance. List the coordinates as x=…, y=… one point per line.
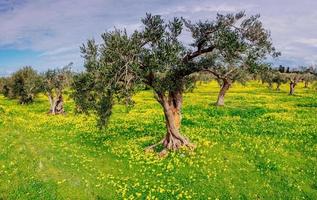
x=48, y=33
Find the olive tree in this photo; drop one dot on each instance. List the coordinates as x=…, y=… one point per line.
x=267, y=75
x=294, y=78
x=308, y=78
x=155, y=56
x=273, y=76
x=7, y=87
x=279, y=78
x=24, y=84
x=241, y=47
x=53, y=83
x=3, y=83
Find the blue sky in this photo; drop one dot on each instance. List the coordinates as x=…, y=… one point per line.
x=48, y=33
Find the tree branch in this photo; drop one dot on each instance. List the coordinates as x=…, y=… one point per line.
x=212, y=72
x=198, y=53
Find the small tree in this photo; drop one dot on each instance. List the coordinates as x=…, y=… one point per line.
x=7, y=87
x=53, y=83
x=308, y=78
x=279, y=78
x=156, y=57
x=24, y=85
x=2, y=83
x=294, y=78
x=267, y=75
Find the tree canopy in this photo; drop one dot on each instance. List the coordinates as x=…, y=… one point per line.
x=24, y=84
x=241, y=48
x=54, y=82
x=157, y=57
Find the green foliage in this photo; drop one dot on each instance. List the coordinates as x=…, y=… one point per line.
x=116, y=68
x=280, y=78
x=2, y=83
x=55, y=80
x=6, y=87
x=241, y=46
x=273, y=76
x=309, y=77
x=295, y=77
x=23, y=85
x=229, y=47
x=53, y=83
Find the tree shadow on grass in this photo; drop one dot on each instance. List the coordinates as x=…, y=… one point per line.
x=248, y=112
x=307, y=105
x=35, y=189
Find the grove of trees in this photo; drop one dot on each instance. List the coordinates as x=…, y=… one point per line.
x=23, y=85
x=230, y=48
x=26, y=83
x=292, y=76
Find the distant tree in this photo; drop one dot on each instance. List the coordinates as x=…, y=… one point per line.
x=309, y=74
x=279, y=78
x=53, y=83
x=24, y=85
x=156, y=57
x=198, y=79
x=281, y=69
x=267, y=75
x=273, y=76
x=308, y=78
x=203, y=77
x=2, y=84
x=7, y=87
x=240, y=50
x=294, y=78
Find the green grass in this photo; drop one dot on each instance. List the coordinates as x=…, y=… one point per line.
x=261, y=145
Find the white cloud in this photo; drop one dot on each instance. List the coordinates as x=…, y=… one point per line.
x=56, y=28
x=205, y=7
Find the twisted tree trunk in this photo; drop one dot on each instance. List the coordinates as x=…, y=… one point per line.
x=56, y=104
x=278, y=86
x=292, y=88
x=172, y=105
x=221, y=96
x=172, y=111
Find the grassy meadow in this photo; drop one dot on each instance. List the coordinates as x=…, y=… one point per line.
x=261, y=145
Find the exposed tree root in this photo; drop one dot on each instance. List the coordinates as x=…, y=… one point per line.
x=171, y=144
x=150, y=148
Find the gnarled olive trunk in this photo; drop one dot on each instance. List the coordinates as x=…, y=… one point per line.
x=292, y=88
x=221, y=96
x=278, y=86
x=56, y=104
x=172, y=110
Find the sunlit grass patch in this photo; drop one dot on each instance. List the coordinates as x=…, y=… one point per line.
x=261, y=145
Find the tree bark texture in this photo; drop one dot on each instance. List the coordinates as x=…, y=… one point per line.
x=221, y=96
x=56, y=104
x=172, y=105
x=292, y=88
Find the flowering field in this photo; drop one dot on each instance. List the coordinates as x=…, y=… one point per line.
x=261, y=145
